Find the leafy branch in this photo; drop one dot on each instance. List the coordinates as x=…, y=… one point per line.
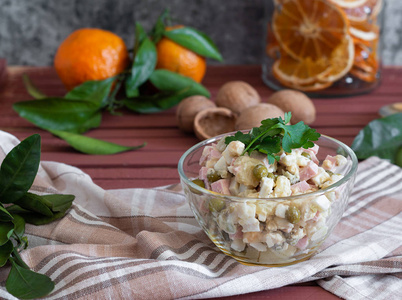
x=140, y=88
x=17, y=173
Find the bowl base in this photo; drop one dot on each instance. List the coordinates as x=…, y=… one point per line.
x=270, y=265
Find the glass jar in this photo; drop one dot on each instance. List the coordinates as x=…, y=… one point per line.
x=325, y=48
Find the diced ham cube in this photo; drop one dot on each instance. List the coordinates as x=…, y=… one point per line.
x=206, y=154
x=238, y=234
x=302, y=243
x=329, y=163
x=300, y=187
x=221, y=186
x=215, y=153
x=210, y=152
x=203, y=176
x=203, y=173
x=308, y=171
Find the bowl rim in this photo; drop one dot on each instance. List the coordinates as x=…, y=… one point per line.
x=194, y=186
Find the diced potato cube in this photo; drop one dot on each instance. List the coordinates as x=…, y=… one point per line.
x=321, y=203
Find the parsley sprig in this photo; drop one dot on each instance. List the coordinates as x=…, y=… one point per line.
x=274, y=135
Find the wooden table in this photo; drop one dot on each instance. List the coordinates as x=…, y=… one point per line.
x=156, y=164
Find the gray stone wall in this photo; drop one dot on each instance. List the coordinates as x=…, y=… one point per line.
x=31, y=30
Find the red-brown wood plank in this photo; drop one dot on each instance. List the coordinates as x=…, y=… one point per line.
x=3, y=72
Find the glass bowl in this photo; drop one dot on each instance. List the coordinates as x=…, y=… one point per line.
x=218, y=214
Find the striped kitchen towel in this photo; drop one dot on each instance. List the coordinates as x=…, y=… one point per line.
x=146, y=244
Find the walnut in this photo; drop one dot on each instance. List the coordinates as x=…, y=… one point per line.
x=252, y=116
x=187, y=110
x=237, y=96
x=301, y=106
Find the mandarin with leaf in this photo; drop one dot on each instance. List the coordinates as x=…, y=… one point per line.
x=90, y=54
x=176, y=58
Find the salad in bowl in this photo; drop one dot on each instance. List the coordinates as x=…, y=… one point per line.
x=271, y=195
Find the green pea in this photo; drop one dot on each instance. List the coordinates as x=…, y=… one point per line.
x=216, y=204
x=272, y=176
x=293, y=214
x=213, y=176
x=305, y=154
x=260, y=171
x=199, y=182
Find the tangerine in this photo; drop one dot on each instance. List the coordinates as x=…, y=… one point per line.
x=176, y=58
x=90, y=54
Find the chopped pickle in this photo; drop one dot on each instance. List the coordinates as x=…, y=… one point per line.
x=216, y=204
x=213, y=176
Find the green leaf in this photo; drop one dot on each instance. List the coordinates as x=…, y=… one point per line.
x=19, y=225
x=140, y=35
x=17, y=258
x=6, y=230
x=58, y=202
x=60, y=114
x=270, y=146
x=155, y=103
x=96, y=91
x=195, y=41
x=90, y=145
x=298, y=135
x=168, y=81
x=19, y=169
x=33, y=202
x=27, y=284
x=144, y=64
x=4, y=214
x=159, y=27
x=381, y=137
x=34, y=217
x=5, y=252
x=31, y=88
x=239, y=136
x=398, y=159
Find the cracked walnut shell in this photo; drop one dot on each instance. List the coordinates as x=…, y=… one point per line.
x=211, y=122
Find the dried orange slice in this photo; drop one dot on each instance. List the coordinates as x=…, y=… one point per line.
x=306, y=28
x=299, y=72
x=365, y=58
x=369, y=10
x=310, y=87
x=364, y=31
x=306, y=72
x=341, y=61
x=349, y=3
x=363, y=75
